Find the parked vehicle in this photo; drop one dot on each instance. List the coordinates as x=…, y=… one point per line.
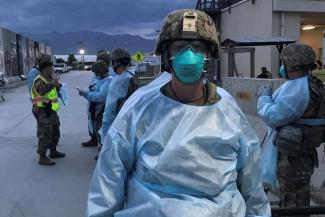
x=88, y=65
x=60, y=68
x=141, y=68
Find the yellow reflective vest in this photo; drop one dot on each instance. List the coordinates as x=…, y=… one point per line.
x=49, y=97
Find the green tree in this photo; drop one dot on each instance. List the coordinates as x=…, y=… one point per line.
x=71, y=59
x=59, y=60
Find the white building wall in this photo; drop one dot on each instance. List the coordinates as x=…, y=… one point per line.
x=284, y=25
x=299, y=5
x=264, y=18
x=247, y=19
x=2, y=60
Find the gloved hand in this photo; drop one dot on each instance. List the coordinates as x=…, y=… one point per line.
x=266, y=91
x=82, y=92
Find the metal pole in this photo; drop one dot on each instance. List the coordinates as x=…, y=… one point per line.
x=252, y=63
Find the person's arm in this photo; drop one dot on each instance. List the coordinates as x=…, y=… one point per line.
x=289, y=104
x=249, y=180
x=98, y=96
x=275, y=113
x=107, y=188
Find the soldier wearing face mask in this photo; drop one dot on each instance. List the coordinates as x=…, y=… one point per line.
x=96, y=96
x=44, y=95
x=184, y=149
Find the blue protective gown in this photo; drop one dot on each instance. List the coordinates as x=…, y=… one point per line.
x=98, y=90
x=33, y=73
x=288, y=103
x=111, y=71
x=178, y=160
x=118, y=89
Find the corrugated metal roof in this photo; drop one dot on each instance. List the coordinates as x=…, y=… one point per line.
x=256, y=41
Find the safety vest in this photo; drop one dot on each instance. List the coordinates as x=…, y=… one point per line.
x=49, y=97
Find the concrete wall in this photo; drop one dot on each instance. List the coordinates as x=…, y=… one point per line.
x=299, y=5
x=48, y=50
x=42, y=48
x=2, y=60
x=31, y=53
x=246, y=91
x=323, y=50
x=17, y=53
x=314, y=38
x=10, y=52
x=247, y=19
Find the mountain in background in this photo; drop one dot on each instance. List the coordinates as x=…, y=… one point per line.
x=71, y=42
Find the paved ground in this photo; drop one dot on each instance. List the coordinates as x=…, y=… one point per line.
x=28, y=189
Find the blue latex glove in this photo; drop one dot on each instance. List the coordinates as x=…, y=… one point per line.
x=266, y=91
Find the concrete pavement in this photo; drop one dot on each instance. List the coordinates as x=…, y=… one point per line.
x=28, y=189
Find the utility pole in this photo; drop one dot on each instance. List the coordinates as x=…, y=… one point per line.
x=81, y=50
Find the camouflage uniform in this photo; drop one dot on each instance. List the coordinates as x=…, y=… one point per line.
x=48, y=123
x=210, y=96
x=294, y=172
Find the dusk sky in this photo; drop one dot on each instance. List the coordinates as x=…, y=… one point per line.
x=141, y=17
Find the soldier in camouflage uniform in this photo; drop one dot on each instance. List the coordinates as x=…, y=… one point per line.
x=97, y=104
x=96, y=98
x=183, y=148
x=120, y=88
x=294, y=172
x=295, y=119
x=45, y=106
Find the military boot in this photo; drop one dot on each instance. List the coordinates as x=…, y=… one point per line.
x=43, y=160
x=56, y=154
x=92, y=142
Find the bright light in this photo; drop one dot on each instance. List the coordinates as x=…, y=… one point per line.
x=308, y=27
x=82, y=51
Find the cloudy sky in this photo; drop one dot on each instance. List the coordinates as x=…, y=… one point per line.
x=141, y=17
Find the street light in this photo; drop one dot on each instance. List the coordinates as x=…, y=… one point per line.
x=82, y=53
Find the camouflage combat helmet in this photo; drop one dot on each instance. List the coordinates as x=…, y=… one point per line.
x=100, y=67
x=187, y=24
x=298, y=56
x=105, y=56
x=43, y=58
x=120, y=53
x=120, y=57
